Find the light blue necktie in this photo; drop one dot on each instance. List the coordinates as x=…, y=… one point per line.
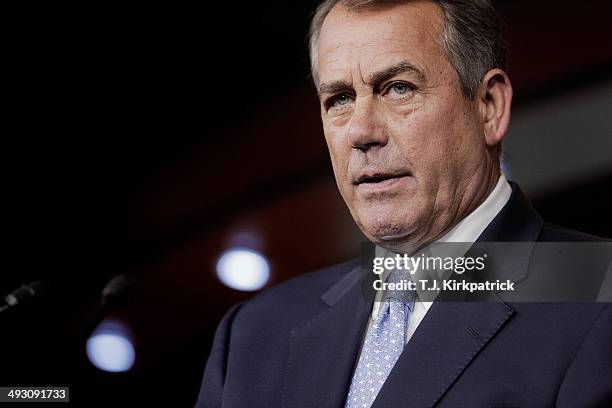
x=383, y=345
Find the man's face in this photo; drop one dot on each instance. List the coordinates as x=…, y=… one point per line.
x=406, y=147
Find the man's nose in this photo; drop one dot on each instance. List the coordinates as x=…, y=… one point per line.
x=366, y=130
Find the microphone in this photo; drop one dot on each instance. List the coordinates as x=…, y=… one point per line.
x=118, y=293
x=23, y=295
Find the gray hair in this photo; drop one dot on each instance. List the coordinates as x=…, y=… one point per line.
x=472, y=39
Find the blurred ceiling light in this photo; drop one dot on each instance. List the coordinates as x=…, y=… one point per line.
x=110, y=349
x=243, y=269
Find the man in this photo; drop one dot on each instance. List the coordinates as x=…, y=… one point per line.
x=414, y=103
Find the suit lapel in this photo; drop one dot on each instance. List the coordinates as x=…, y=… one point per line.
x=447, y=340
x=453, y=332
x=323, y=350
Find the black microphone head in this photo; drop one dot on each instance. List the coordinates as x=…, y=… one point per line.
x=26, y=293
x=119, y=291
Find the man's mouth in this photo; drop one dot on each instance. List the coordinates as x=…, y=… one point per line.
x=378, y=178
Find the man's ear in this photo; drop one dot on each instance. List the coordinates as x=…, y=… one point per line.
x=494, y=98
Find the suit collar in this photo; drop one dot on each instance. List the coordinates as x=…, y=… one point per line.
x=323, y=350
x=518, y=227
x=343, y=286
x=517, y=221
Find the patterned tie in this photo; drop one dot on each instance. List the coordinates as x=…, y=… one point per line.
x=383, y=345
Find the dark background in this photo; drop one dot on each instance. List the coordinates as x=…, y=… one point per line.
x=145, y=140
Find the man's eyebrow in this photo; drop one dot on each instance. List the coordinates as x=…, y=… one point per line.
x=376, y=78
x=334, y=87
x=394, y=70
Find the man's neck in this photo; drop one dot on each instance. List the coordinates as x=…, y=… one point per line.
x=473, y=224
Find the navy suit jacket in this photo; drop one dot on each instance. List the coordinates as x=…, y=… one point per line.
x=296, y=344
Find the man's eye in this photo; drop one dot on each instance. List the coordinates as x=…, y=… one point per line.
x=399, y=90
x=339, y=101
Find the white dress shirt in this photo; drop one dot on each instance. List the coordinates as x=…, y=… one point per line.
x=467, y=230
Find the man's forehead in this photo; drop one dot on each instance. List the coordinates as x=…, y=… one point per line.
x=340, y=64
x=378, y=37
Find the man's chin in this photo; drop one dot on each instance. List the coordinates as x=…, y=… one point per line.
x=388, y=221
x=392, y=231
